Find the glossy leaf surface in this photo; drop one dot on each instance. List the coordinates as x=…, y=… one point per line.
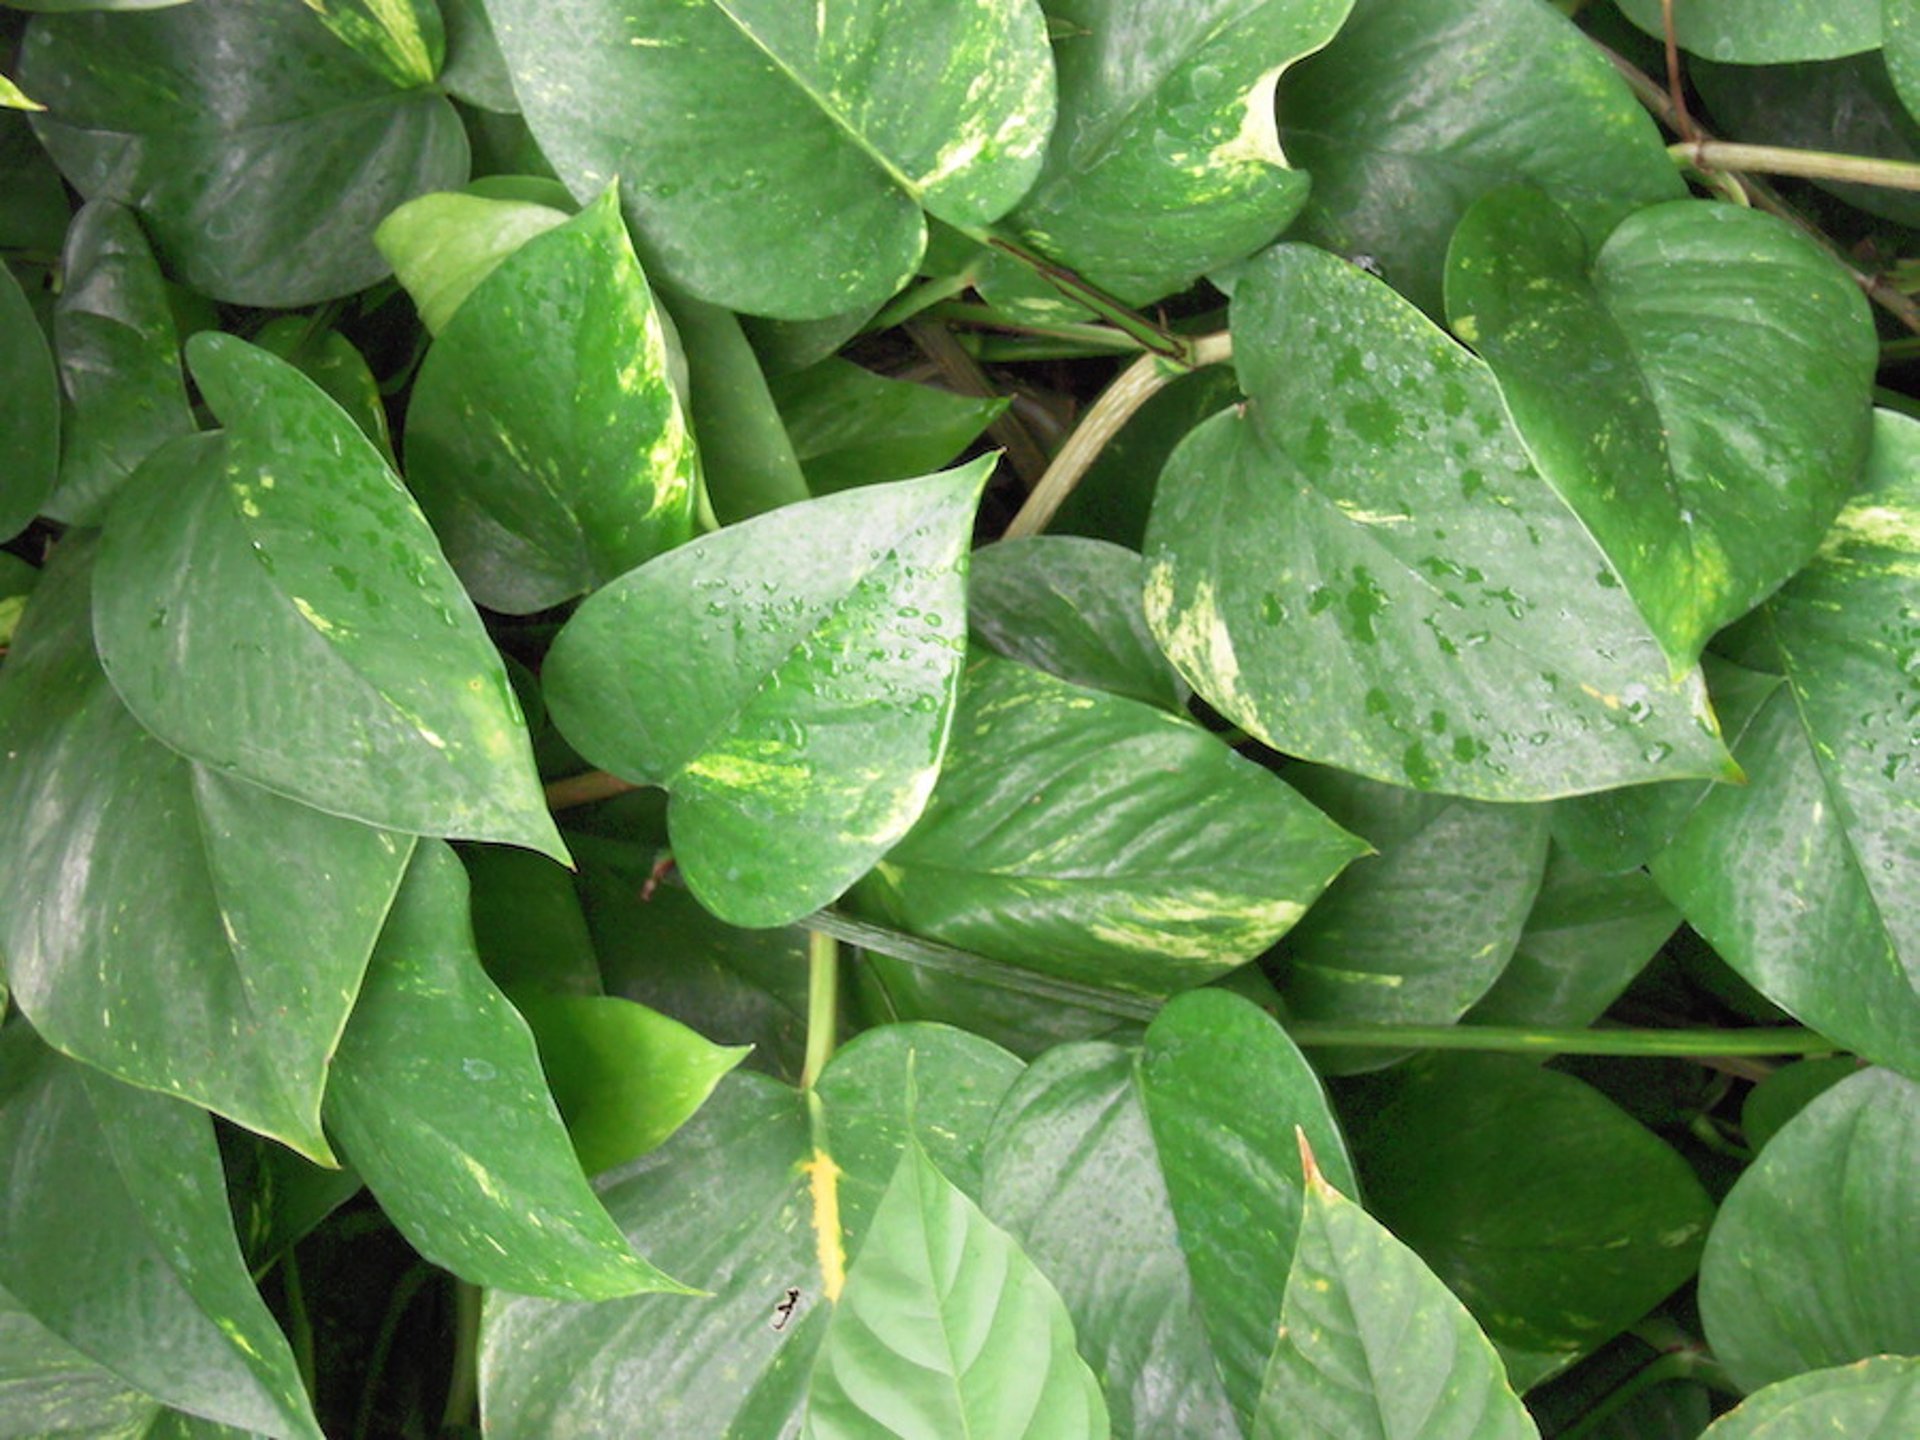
x=1703, y=506
x=49, y=1388
x=1770, y=34
x=270, y=601
x=1877, y=1397
x=1361, y=568
x=851, y=427
x=441, y=246
x=789, y=681
x=29, y=411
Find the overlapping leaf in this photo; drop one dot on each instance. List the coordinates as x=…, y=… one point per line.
x=1880, y=1396
x=1361, y=568
x=29, y=411
x=270, y=601
x=441, y=246
x=789, y=681
x=851, y=427
x=1699, y=390
x=810, y=136
x=1773, y=33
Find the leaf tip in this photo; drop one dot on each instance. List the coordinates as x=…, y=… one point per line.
x=1309, y=1167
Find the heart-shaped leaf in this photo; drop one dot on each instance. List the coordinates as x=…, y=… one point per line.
x=270, y=601
x=812, y=135
x=1094, y=838
x=1777, y=32
x=1361, y=568
x=946, y=1328
x=167, y=923
x=1815, y=1259
x=789, y=681
x=438, y=1100
x=150, y=109
x=29, y=411
x=1699, y=391
x=851, y=427
x=1880, y=1396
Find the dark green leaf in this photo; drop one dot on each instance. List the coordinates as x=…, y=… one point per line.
x=29, y=411
x=270, y=601
x=1815, y=1259
x=402, y=40
x=438, y=1100
x=117, y=1238
x=1159, y=1189
x=442, y=246
x=35, y=214
x=1699, y=390
x=527, y=923
x=330, y=360
x=169, y=924
x=1361, y=568
x=261, y=182
x=851, y=427
x=1769, y=34
x=789, y=681
x=810, y=137
x=476, y=71
x=1879, y=1397
x=1787, y=1091
x=1098, y=839
x=945, y=1328
x=47, y=1388
x=1419, y=107
x=1165, y=161
x=1371, y=1343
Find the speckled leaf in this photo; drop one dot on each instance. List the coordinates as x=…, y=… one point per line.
x=1421, y=106
x=1699, y=390
x=330, y=361
x=1071, y=606
x=1815, y=1259
x=1901, y=53
x=851, y=427
x=945, y=1328
x=1361, y=568
x=1820, y=853
x=1159, y=1189
x=1765, y=32
x=476, y=71
x=544, y=439
x=1098, y=839
x=403, y=40
x=1418, y=932
x=811, y=136
x=1372, y=1344
x=119, y=361
x=1877, y=1399
x=441, y=246
x=29, y=411
x=270, y=601
x=732, y=1197
x=1550, y=1211
x=151, y=110
x=439, y=1101
x=789, y=681
x=48, y=1388
x=117, y=1238
x=1165, y=161
x=166, y=923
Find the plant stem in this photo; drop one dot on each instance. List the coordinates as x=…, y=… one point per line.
x=1807, y=164
x=1662, y=1369
x=584, y=789
x=823, y=1004
x=1520, y=1040
x=463, y=1386
x=300, y=1325
x=1150, y=335
x=1136, y=385
x=963, y=373
x=985, y=316
x=922, y=297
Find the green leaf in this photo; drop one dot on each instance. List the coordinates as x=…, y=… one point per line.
x=442, y=246
x=438, y=1100
x=167, y=923
x=119, y=360
x=1815, y=1259
x=812, y=137
x=34, y=217
x=29, y=411
x=49, y=1388
x=403, y=40
x=1419, y=107
x=1165, y=162
x=476, y=71
x=1699, y=390
x=1769, y=33
x=624, y=1077
x=117, y=1238
x=1094, y=838
x=789, y=681
x=527, y=923
x=1555, y=1216
x=1158, y=1189
x=12, y=97
x=1416, y=933
x=330, y=361
x=270, y=601
x=946, y=1328
x=1879, y=1396
x=544, y=439
x=1071, y=606
x=151, y=110
x=1785, y=1092
x=1371, y=1343
x=1819, y=854
x=852, y=427
x=746, y=1202
x=1361, y=568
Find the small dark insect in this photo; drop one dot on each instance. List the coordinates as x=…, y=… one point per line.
x=783, y=1312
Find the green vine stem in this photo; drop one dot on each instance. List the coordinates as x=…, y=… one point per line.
x=1520, y=1040
x=823, y=1004
x=1716, y=155
x=585, y=789
x=463, y=1387
x=1151, y=336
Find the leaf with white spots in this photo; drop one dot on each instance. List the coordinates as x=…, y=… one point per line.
x=808, y=137
x=1372, y=1346
x=1099, y=839
x=269, y=601
x=438, y=1100
x=1361, y=568
x=545, y=441
x=789, y=681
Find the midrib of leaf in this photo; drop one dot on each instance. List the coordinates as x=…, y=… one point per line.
x=142, y=134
